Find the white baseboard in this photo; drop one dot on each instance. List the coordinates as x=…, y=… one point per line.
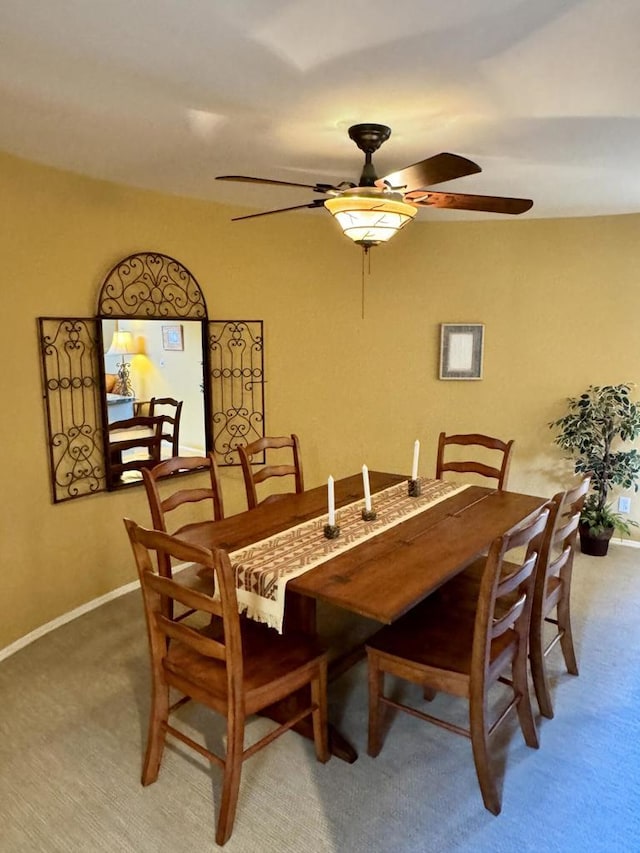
x=66, y=617
x=628, y=543
x=11, y=649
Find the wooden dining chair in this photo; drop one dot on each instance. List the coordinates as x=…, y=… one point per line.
x=172, y=411
x=470, y=466
x=181, y=498
x=143, y=436
x=463, y=647
x=184, y=492
x=235, y=669
x=553, y=592
x=274, y=469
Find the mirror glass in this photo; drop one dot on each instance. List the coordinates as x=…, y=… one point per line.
x=143, y=360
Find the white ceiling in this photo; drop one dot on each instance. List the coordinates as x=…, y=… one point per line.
x=166, y=94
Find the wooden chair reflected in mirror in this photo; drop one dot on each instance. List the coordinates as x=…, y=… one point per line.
x=464, y=646
x=134, y=444
x=234, y=668
x=172, y=411
x=498, y=472
x=269, y=446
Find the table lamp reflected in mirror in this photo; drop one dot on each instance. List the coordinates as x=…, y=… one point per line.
x=122, y=344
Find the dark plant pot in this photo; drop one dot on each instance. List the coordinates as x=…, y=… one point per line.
x=595, y=546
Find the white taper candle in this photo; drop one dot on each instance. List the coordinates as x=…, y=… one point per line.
x=367, y=490
x=416, y=453
x=332, y=502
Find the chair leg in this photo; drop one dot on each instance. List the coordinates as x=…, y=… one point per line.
x=319, y=716
x=521, y=688
x=376, y=688
x=566, y=637
x=538, y=669
x=480, y=746
x=231, y=779
x=429, y=694
x=157, y=734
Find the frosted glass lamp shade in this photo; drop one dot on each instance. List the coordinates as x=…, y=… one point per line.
x=370, y=216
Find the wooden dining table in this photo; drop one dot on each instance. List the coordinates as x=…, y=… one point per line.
x=383, y=577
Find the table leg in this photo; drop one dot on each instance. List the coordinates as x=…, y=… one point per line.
x=285, y=709
x=300, y=617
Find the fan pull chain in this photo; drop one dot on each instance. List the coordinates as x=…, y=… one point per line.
x=365, y=254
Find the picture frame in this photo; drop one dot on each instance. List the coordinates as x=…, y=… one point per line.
x=461, y=350
x=172, y=338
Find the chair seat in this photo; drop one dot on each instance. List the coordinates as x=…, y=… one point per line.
x=435, y=634
x=267, y=658
x=276, y=497
x=469, y=581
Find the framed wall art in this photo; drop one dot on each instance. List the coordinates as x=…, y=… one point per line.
x=461, y=348
x=172, y=338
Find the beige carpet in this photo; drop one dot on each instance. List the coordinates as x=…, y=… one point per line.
x=73, y=721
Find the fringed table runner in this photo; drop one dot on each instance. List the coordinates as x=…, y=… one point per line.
x=263, y=569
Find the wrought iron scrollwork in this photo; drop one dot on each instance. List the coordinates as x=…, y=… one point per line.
x=237, y=385
x=72, y=397
x=150, y=285
x=147, y=285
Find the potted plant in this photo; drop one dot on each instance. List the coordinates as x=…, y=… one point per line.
x=592, y=431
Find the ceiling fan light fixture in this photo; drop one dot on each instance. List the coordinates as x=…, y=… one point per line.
x=370, y=216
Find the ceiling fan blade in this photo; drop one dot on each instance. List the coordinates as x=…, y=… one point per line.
x=462, y=201
x=318, y=188
x=318, y=202
x=433, y=170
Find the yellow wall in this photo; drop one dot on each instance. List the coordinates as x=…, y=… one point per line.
x=560, y=300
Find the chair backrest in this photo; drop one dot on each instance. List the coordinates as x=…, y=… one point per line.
x=252, y=478
x=142, y=434
x=163, y=629
x=183, y=494
x=560, y=545
x=172, y=419
x=505, y=599
x=474, y=467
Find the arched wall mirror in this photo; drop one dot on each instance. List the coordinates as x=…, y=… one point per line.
x=153, y=327
x=150, y=353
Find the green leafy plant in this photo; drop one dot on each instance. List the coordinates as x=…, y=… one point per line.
x=597, y=422
x=599, y=520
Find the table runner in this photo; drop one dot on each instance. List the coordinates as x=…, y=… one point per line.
x=263, y=569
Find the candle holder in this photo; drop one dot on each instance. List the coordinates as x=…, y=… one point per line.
x=331, y=531
x=414, y=488
x=369, y=515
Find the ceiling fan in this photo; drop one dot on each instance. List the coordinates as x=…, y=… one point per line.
x=375, y=209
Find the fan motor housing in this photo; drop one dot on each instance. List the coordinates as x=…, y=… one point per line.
x=369, y=137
